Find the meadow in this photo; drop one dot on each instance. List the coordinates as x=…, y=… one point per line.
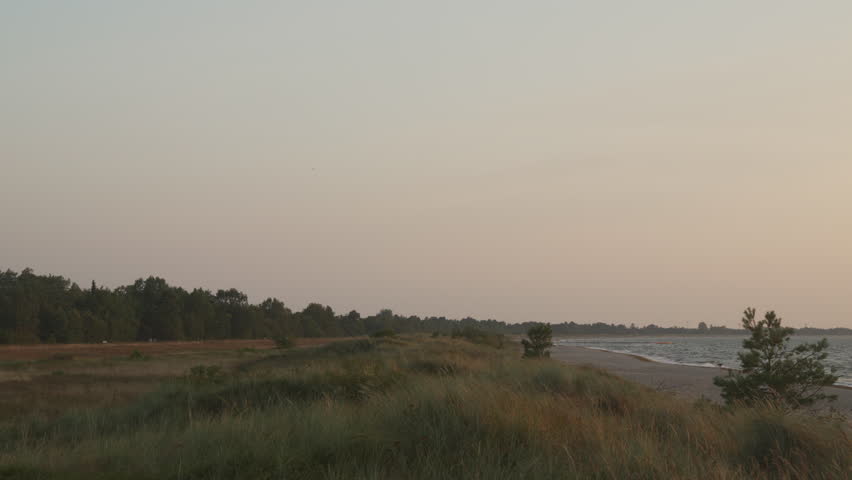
x=392, y=407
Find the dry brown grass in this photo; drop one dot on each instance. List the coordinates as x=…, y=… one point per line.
x=46, y=380
x=50, y=387
x=100, y=350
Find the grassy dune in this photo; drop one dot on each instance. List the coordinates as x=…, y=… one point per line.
x=411, y=408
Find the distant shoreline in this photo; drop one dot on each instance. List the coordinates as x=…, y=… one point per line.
x=674, y=364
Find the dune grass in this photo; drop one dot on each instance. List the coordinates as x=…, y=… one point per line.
x=417, y=407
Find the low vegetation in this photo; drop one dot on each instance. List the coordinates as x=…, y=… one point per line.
x=383, y=333
x=411, y=407
x=283, y=342
x=482, y=337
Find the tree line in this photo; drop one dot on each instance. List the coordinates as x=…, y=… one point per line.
x=51, y=309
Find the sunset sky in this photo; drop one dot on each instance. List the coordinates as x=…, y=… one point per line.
x=663, y=162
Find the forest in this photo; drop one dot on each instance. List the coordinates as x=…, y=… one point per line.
x=52, y=309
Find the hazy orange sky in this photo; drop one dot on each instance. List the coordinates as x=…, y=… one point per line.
x=661, y=162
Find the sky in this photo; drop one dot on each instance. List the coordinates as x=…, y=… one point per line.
x=664, y=162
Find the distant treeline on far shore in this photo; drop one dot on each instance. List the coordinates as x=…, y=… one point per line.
x=49, y=308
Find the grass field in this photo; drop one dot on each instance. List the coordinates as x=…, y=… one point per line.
x=46, y=380
x=412, y=407
x=105, y=350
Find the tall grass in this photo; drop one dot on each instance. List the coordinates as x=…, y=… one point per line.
x=420, y=408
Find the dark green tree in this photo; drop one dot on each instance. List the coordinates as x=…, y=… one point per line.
x=319, y=321
x=219, y=326
x=278, y=319
x=539, y=341
x=352, y=324
x=53, y=324
x=94, y=328
x=162, y=308
x=74, y=328
x=240, y=318
x=309, y=326
x=232, y=297
x=773, y=371
x=199, y=311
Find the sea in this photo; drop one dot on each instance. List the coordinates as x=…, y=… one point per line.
x=710, y=351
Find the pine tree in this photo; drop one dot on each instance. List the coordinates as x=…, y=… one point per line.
x=539, y=341
x=774, y=372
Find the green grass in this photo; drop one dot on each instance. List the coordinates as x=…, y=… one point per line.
x=416, y=407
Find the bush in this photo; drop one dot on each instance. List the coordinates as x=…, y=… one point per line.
x=478, y=336
x=137, y=355
x=539, y=341
x=772, y=372
x=383, y=333
x=435, y=367
x=283, y=342
x=204, y=374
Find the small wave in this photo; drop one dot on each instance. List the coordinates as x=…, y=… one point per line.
x=656, y=359
x=844, y=382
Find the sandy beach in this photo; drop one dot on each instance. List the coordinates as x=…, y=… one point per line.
x=693, y=382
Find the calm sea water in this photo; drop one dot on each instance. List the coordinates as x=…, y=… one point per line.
x=710, y=351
